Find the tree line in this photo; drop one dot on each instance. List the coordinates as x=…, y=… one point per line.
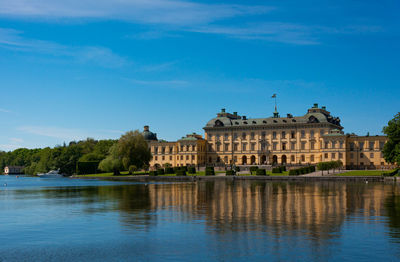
x=112, y=155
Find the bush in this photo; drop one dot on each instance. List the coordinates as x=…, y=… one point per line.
x=160, y=171
x=230, y=172
x=210, y=171
x=169, y=170
x=184, y=168
x=132, y=169
x=276, y=170
x=191, y=170
x=261, y=172
x=282, y=168
x=293, y=172
x=237, y=169
x=153, y=173
x=176, y=169
x=253, y=169
x=181, y=173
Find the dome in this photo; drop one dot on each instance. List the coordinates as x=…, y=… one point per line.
x=148, y=135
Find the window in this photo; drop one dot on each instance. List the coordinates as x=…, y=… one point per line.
x=326, y=155
x=283, y=134
x=226, y=147
x=181, y=148
x=187, y=148
x=381, y=144
x=163, y=150
x=226, y=136
x=321, y=132
x=244, y=147
x=292, y=158
x=303, y=158
x=252, y=135
x=303, y=134
x=351, y=155
x=252, y=146
x=235, y=136
x=209, y=147
x=283, y=146
x=243, y=135
x=341, y=144
x=217, y=137
x=333, y=155
x=163, y=158
x=156, y=158
x=273, y=135
x=371, y=146
x=155, y=150
x=303, y=145
x=312, y=145
x=263, y=135
x=193, y=157
x=218, y=145
x=333, y=144
x=225, y=159
x=312, y=134
x=274, y=145
x=235, y=147
x=340, y=155
x=171, y=149
x=326, y=145
x=292, y=134
x=371, y=155
x=218, y=159
x=361, y=145
x=170, y=158
x=351, y=146
x=293, y=146
x=312, y=158
x=181, y=157
x=361, y=155
x=194, y=148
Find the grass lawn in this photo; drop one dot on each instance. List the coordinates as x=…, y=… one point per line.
x=269, y=173
x=364, y=173
x=126, y=173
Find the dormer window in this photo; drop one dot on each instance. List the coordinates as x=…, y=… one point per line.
x=284, y=121
x=254, y=122
x=245, y=122
x=275, y=121
x=264, y=122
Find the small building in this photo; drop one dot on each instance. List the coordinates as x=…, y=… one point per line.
x=13, y=170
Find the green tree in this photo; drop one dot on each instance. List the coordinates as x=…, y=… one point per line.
x=391, y=150
x=131, y=149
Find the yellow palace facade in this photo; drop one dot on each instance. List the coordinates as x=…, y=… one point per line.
x=291, y=140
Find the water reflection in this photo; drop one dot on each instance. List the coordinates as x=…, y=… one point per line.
x=241, y=218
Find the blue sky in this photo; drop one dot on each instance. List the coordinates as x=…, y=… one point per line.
x=97, y=68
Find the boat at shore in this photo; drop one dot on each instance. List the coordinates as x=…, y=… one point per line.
x=50, y=174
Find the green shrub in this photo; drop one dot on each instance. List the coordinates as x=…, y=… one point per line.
x=237, y=169
x=210, y=171
x=191, y=170
x=293, y=172
x=282, y=168
x=169, y=170
x=160, y=171
x=132, y=169
x=184, y=168
x=261, y=172
x=253, y=169
x=276, y=170
x=153, y=173
x=176, y=169
x=230, y=172
x=181, y=173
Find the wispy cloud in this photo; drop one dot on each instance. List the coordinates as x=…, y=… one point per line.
x=167, y=12
x=55, y=132
x=13, y=40
x=2, y=110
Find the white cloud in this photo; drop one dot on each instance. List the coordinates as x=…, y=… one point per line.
x=12, y=39
x=55, y=132
x=167, y=12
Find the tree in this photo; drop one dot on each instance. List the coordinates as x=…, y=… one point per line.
x=391, y=150
x=131, y=149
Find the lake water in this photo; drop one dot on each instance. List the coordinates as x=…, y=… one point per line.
x=88, y=220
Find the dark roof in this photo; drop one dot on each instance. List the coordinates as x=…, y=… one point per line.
x=314, y=115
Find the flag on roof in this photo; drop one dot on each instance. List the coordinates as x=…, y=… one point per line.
x=273, y=96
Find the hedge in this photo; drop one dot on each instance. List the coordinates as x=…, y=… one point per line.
x=210, y=171
x=191, y=170
x=276, y=170
x=230, y=172
x=153, y=173
x=185, y=168
x=253, y=169
x=176, y=168
x=181, y=173
x=87, y=167
x=169, y=170
x=261, y=172
x=301, y=170
x=160, y=171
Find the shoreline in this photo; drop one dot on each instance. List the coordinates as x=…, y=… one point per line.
x=252, y=178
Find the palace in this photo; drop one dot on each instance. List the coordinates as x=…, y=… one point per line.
x=292, y=140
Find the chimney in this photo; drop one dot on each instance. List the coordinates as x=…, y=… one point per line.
x=315, y=105
x=244, y=118
x=146, y=128
x=289, y=116
x=323, y=108
x=223, y=110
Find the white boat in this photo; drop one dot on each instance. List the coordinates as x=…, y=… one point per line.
x=51, y=173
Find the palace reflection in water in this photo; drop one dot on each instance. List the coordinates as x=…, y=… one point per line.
x=220, y=220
